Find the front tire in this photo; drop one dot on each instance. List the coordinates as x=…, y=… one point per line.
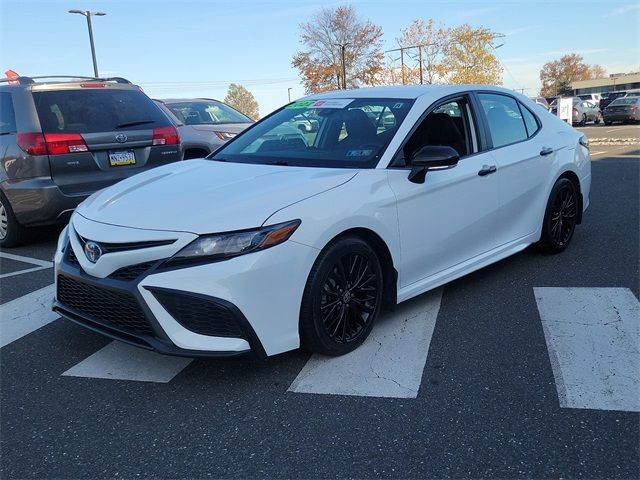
x=583, y=122
x=342, y=297
x=560, y=217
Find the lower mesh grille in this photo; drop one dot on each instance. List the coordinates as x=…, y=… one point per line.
x=115, y=308
x=200, y=315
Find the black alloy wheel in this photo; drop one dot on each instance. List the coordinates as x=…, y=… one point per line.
x=342, y=297
x=561, y=217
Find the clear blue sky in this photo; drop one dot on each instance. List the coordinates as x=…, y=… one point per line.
x=196, y=48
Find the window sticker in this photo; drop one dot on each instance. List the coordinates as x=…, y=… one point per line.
x=398, y=105
x=301, y=104
x=359, y=153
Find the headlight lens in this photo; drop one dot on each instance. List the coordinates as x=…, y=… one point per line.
x=225, y=135
x=220, y=246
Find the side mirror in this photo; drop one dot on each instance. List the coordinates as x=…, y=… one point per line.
x=431, y=157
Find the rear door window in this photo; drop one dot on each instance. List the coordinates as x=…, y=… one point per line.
x=529, y=120
x=7, y=114
x=506, y=124
x=97, y=110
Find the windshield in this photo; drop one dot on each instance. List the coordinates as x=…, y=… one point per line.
x=206, y=113
x=347, y=133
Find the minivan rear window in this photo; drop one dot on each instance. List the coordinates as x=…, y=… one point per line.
x=89, y=111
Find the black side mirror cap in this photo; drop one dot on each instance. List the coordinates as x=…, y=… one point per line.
x=432, y=157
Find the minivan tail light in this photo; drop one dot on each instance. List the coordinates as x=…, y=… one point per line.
x=166, y=136
x=61, y=143
x=32, y=143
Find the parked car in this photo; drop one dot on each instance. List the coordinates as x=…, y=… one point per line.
x=609, y=97
x=591, y=97
x=294, y=243
x=204, y=124
x=583, y=111
x=623, y=110
x=542, y=102
x=63, y=138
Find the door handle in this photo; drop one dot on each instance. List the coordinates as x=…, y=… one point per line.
x=546, y=151
x=487, y=170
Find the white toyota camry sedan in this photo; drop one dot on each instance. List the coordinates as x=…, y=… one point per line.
x=286, y=238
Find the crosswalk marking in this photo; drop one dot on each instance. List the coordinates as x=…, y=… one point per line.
x=593, y=339
x=388, y=364
x=41, y=264
x=23, y=315
x=120, y=361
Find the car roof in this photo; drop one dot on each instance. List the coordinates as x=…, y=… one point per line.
x=408, y=91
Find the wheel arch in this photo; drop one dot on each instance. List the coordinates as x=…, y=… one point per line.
x=573, y=178
x=380, y=247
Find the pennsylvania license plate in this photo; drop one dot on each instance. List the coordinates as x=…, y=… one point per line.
x=125, y=157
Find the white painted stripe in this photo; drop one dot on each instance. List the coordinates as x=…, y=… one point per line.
x=119, y=361
x=593, y=339
x=23, y=315
x=20, y=258
x=597, y=153
x=388, y=364
x=20, y=272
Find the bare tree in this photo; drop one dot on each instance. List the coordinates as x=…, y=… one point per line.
x=330, y=35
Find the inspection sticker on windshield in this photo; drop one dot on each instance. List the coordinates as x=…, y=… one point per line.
x=301, y=104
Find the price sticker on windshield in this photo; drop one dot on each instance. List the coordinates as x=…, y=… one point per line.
x=328, y=103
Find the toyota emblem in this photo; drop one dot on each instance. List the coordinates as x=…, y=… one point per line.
x=121, y=138
x=93, y=251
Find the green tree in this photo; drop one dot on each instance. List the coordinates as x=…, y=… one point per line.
x=242, y=100
x=320, y=60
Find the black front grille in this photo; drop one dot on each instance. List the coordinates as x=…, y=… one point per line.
x=115, y=308
x=200, y=315
x=132, y=271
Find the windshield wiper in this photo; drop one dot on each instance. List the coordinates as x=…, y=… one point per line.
x=132, y=124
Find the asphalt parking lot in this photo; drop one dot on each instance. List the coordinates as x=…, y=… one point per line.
x=490, y=394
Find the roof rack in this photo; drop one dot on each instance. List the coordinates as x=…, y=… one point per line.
x=23, y=80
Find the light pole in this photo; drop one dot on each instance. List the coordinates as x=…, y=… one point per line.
x=289, y=93
x=88, y=14
x=343, y=47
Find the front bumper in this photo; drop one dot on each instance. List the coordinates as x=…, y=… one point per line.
x=39, y=201
x=247, y=304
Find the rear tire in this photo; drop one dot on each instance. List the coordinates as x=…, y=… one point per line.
x=560, y=217
x=12, y=233
x=342, y=297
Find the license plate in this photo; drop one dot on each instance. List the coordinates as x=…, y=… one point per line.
x=126, y=157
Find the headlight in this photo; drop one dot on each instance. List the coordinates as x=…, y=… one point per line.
x=221, y=246
x=225, y=135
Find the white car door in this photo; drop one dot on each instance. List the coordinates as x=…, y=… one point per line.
x=523, y=156
x=452, y=216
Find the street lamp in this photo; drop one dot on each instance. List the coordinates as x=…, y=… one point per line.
x=289, y=93
x=88, y=15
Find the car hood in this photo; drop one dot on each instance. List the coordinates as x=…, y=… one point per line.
x=204, y=196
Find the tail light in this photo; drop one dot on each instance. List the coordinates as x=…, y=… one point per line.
x=60, y=143
x=32, y=143
x=634, y=109
x=166, y=136
x=51, y=143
